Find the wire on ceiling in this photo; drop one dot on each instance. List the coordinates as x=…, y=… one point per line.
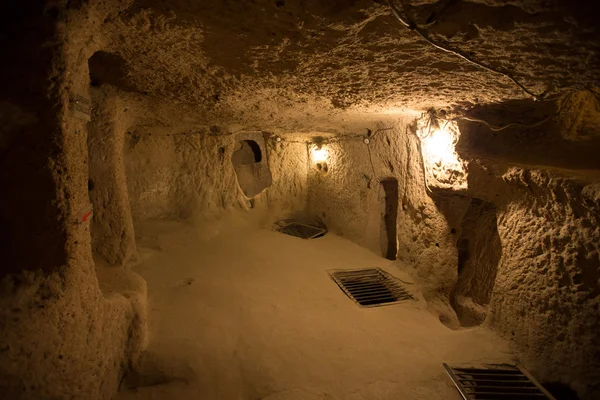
x=368, y=135
x=407, y=22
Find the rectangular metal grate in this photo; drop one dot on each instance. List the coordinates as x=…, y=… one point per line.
x=300, y=230
x=370, y=287
x=496, y=381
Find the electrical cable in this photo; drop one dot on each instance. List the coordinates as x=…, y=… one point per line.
x=404, y=20
x=294, y=141
x=372, y=165
x=501, y=128
x=339, y=138
x=432, y=122
x=424, y=168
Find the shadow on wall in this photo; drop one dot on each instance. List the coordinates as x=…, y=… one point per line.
x=561, y=391
x=479, y=252
x=252, y=171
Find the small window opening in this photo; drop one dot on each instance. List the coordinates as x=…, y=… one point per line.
x=246, y=152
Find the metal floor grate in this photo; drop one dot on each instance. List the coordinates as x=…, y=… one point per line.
x=370, y=287
x=300, y=230
x=496, y=381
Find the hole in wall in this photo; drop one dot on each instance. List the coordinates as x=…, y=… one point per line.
x=253, y=175
x=246, y=152
x=110, y=69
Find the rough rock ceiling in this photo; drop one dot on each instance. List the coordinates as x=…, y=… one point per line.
x=302, y=58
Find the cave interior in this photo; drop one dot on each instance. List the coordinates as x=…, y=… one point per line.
x=154, y=152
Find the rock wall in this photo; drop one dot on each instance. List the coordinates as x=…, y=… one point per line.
x=350, y=200
x=547, y=292
x=179, y=174
x=61, y=336
x=519, y=249
x=543, y=183
x=289, y=166
x=190, y=174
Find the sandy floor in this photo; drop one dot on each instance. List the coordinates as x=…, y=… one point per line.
x=253, y=314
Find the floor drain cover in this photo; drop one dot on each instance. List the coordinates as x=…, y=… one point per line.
x=496, y=381
x=300, y=230
x=370, y=287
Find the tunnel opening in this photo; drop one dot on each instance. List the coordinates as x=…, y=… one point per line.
x=479, y=252
x=389, y=218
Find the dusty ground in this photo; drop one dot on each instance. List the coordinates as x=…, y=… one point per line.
x=246, y=313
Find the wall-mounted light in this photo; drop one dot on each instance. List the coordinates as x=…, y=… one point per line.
x=442, y=166
x=319, y=154
x=438, y=146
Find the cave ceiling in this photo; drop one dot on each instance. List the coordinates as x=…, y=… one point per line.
x=304, y=59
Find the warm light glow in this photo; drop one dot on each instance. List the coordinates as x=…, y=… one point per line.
x=442, y=165
x=439, y=146
x=319, y=154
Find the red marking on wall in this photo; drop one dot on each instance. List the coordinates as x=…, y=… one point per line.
x=86, y=216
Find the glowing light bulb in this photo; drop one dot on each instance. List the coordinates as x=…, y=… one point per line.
x=439, y=146
x=319, y=155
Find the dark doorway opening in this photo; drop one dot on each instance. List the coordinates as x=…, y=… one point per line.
x=479, y=252
x=389, y=216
